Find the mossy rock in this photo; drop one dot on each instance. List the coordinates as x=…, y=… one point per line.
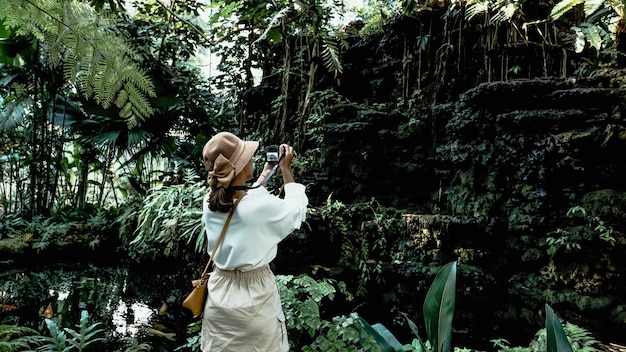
x=607, y=204
x=13, y=245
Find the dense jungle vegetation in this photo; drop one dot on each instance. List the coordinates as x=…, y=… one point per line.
x=485, y=133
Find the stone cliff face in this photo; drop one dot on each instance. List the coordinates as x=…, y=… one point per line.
x=541, y=163
x=527, y=181
x=517, y=176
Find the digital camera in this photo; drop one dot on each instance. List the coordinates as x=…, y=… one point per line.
x=272, y=153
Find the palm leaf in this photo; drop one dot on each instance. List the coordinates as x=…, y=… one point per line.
x=504, y=13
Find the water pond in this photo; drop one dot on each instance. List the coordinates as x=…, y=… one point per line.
x=135, y=305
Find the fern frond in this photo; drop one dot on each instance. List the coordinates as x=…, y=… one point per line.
x=581, y=339
x=504, y=13
x=330, y=55
x=140, y=79
x=94, y=59
x=116, y=83
x=53, y=43
x=103, y=84
x=122, y=98
x=107, y=81
x=591, y=6
x=273, y=22
x=104, y=97
x=373, y=26
x=562, y=7
x=139, y=104
x=127, y=111
x=475, y=8
x=5, y=6
x=16, y=338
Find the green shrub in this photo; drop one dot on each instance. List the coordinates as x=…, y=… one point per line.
x=169, y=215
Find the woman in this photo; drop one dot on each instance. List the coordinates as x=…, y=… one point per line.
x=243, y=311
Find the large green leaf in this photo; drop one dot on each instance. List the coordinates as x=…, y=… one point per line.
x=14, y=111
x=384, y=339
x=439, y=308
x=64, y=112
x=592, y=34
x=557, y=340
x=391, y=340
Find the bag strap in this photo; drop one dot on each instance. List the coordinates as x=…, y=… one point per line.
x=219, y=240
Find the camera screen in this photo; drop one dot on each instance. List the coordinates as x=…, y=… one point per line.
x=271, y=153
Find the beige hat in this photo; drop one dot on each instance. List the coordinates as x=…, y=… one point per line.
x=225, y=156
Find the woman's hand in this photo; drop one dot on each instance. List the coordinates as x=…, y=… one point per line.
x=287, y=151
x=267, y=168
x=285, y=163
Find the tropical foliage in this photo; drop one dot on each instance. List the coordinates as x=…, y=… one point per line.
x=93, y=89
x=91, y=114
x=83, y=44
x=105, y=107
x=59, y=339
x=168, y=216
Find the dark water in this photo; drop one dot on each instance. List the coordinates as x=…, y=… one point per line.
x=133, y=304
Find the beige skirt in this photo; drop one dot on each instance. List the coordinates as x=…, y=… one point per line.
x=243, y=313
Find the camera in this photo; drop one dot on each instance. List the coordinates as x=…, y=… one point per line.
x=272, y=153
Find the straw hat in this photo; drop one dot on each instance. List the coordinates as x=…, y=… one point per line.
x=225, y=156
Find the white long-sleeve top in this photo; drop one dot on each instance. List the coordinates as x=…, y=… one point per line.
x=259, y=223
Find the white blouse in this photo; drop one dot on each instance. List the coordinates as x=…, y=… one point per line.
x=260, y=222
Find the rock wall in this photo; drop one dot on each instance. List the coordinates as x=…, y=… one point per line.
x=524, y=187
x=517, y=176
x=541, y=162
